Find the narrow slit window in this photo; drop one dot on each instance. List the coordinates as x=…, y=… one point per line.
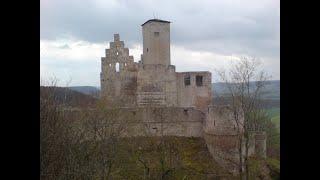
x=117, y=67
x=187, y=81
x=199, y=80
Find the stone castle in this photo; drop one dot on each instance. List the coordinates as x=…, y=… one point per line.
x=153, y=81
x=184, y=99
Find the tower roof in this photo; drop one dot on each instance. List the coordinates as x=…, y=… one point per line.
x=155, y=20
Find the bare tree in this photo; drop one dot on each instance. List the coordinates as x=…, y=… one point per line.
x=244, y=82
x=55, y=132
x=76, y=143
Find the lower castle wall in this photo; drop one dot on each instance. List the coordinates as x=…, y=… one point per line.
x=164, y=121
x=214, y=126
x=223, y=149
x=173, y=121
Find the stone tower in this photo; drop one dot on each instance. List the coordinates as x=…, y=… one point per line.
x=156, y=80
x=156, y=42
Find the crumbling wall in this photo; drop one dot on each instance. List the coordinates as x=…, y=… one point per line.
x=223, y=149
x=193, y=94
x=153, y=81
x=223, y=137
x=260, y=144
x=156, y=85
x=147, y=121
x=220, y=121
x=118, y=75
x=165, y=121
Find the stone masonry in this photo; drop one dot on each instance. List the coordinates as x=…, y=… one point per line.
x=153, y=82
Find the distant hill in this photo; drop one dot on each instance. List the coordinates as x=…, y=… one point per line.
x=270, y=92
x=67, y=97
x=89, y=90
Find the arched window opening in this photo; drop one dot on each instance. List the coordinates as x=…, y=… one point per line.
x=117, y=67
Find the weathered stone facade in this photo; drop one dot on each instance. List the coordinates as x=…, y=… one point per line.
x=153, y=85
x=152, y=81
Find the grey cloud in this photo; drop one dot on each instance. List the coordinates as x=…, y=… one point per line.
x=226, y=27
x=65, y=46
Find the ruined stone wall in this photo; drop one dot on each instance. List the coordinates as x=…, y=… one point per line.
x=193, y=94
x=260, y=144
x=156, y=86
x=118, y=74
x=220, y=121
x=223, y=149
x=164, y=121
x=153, y=81
x=222, y=137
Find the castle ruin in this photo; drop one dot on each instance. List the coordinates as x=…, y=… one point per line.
x=153, y=81
x=183, y=98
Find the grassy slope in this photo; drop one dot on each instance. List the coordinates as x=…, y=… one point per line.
x=264, y=168
x=187, y=159
x=274, y=114
x=273, y=141
x=190, y=159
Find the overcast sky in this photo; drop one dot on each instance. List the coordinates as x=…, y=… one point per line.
x=205, y=34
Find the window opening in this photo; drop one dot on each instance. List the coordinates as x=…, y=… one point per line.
x=187, y=80
x=199, y=80
x=117, y=67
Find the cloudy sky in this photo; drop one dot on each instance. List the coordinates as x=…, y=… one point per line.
x=205, y=34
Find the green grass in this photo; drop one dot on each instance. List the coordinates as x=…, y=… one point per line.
x=181, y=157
x=273, y=111
x=185, y=158
x=267, y=168
x=273, y=139
x=274, y=114
x=274, y=166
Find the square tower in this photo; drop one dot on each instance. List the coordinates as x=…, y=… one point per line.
x=156, y=42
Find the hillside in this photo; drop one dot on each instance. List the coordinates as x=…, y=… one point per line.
x=67, y=97
x=89, y=90
x=271, y=91
x=274, y=114
x=186, y=158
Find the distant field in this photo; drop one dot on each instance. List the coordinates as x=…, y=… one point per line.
x=274, y=114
